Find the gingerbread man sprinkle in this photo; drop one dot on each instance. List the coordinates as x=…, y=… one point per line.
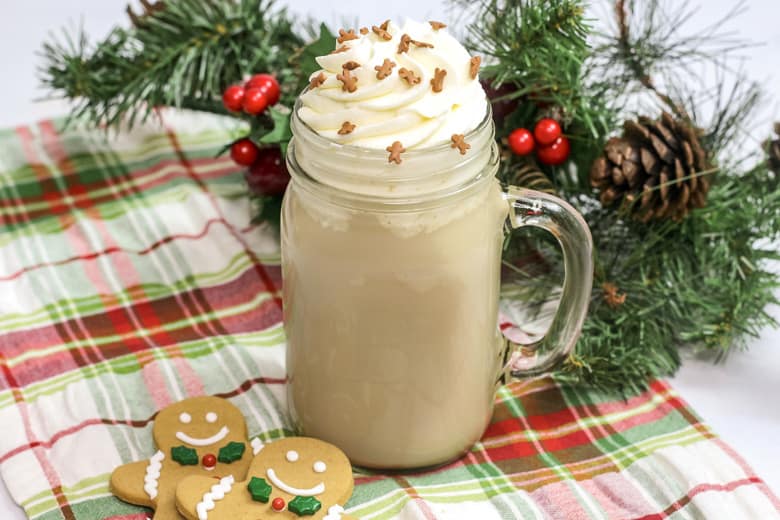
x=346, y=128
x=349, y=82
x=395, y=149
x=382, y=33
x=350, y=65
x=474, y=66
x=403, y=45
x=422, y=44
x=343, y=48
x=459, y=142
x=408, y=76
x=364, y=30
x=437, y=25
x=317, y=80
x=345, y=36
x=438, y=79
x=385, y=69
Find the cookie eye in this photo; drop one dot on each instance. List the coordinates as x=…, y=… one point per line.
x=292, y=456
x=319, y=467
x=185, y=418
x=211, y=417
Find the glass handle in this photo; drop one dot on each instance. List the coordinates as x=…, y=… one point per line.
x=533, y=208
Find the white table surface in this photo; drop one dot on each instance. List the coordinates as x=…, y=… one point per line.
x=737, y=398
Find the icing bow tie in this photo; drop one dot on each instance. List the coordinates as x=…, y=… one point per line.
x=228, y=453
x=301, y=506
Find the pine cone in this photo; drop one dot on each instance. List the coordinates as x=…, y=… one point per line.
x=530, y=176
x=773, y=151
x=653, y=170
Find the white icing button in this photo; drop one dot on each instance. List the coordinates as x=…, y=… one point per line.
x=292, y=456
x=185, y=418
x=211, y=417
x=320, y=467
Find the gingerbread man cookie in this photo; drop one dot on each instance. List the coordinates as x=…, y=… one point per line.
x=289, y=478
x=197, y=436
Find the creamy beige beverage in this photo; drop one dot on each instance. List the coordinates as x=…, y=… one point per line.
x=394, y=345
x=391, y=245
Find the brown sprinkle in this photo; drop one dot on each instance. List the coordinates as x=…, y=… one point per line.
x=438, y=79
x=403, y=45
x=381, y=33
x=385, y=25
x=423, y=44
x=474, y=66
x=395, y=149
x=385, y=69
x=317, y=80
x=408, y=76
x=437, y=25
x=343, y=48
x=346, y=128
x=349, y=82
x=460, y=143
x=350, y=65
x=345, y=36
x=611, y=295
x=364, y=30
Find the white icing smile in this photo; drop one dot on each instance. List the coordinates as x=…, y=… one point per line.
x=221, y=434
x=276, y=481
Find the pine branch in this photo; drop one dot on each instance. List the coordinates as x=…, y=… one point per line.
x=182, y=55
x=704, y=282
x=540, y=49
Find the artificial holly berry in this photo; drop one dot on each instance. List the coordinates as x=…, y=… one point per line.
x=255, y=101
x=267, y=84
x=209, y=461
x=243, y=152
x=278, y=504
x=233, y=98
x=521, y=141
x=268, y=174
x=547, y=131
x=556, y=153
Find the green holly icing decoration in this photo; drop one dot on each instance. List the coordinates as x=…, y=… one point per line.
x=232, y=452
x=304, y=506
x=184, y=456
x=259, y=489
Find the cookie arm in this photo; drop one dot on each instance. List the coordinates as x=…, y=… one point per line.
x=127, y=482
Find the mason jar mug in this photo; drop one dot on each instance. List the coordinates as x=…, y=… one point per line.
x=391, y=291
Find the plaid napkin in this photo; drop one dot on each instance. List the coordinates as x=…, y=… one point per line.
x=130, y=278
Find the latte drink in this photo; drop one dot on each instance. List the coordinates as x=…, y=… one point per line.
x=392, y=231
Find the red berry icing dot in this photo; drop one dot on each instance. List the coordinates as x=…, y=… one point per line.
x=278, y=504
x=209, y=461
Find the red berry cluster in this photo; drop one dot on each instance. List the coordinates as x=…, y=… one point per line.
x=254, y=96
x=553, y=145
x=267, y=173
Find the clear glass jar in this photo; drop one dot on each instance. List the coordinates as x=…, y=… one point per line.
x=391, y=288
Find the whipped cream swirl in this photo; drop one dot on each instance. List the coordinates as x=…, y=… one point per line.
x=391, y=109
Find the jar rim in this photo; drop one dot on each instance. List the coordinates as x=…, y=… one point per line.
x=354, y=149
x=482, y=163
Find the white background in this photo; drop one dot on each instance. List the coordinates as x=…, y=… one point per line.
x=738, y=398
